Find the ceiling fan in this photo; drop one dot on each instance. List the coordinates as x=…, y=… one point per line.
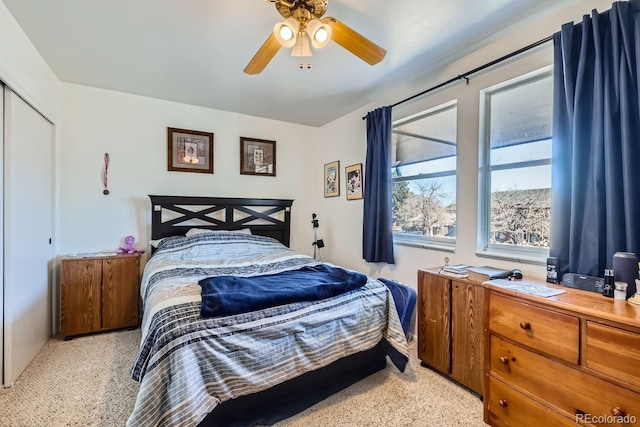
x=303, y=27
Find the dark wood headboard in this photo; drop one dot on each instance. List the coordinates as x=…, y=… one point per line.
x=174, y=215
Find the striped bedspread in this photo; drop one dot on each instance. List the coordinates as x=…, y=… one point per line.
x=187, y=364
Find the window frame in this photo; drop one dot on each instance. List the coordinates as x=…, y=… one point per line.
x=484, y=247
x=429, y=242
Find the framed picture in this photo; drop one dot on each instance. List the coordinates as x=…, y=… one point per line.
x=189, y=150
x=332, y=179
x=257, y=157
x=353, y=176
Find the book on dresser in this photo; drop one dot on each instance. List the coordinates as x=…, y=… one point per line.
x=454, y=275
x=482, y=274
x=456, y=268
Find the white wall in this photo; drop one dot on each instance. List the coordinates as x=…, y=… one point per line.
x=345, y=140
x=23, y=69
x=133, y=130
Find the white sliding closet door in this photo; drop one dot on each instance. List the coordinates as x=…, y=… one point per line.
x=28, y=230
x=1, y=239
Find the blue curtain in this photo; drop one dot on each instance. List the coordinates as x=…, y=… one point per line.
x=596, y=140
x=377, y=236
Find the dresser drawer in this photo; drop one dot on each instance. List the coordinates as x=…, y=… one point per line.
x=568, y=390
x=613, y=352
x=511, y=408
x=545, y=330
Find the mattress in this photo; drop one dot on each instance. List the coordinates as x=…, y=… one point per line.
x=188, y=364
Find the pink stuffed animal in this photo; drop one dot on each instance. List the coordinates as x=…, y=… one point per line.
x=128, y=246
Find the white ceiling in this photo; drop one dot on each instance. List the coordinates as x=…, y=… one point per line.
x=194, y=51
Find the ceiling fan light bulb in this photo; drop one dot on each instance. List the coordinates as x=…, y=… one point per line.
x=321, y=35
x=285, y=32
x=319, y=32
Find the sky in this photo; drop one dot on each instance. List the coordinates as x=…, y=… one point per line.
x=501, y=180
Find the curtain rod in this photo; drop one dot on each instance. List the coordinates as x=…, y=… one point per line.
x=465, y=76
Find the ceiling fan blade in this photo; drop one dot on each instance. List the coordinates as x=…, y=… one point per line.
x=262, y=57
x=354, y=42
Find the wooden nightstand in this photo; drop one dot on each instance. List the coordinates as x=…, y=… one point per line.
x=98, y=293
x=451, y=327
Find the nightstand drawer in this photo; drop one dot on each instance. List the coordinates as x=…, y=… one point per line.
x=553, y=333
x=613, y=352
x=569, y=390
x=512, y=408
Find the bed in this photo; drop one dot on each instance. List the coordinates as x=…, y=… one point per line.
x=247, y=367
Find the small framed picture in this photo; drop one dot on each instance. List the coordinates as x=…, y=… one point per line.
x=257, y=157
x=353, y=177
x=332, y=179
x=189, y=150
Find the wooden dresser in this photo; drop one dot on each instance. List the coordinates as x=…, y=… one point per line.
x=569, y=359
x=98, y=293
x=450, y=327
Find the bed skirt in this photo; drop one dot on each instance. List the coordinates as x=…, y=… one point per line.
x=293, y=396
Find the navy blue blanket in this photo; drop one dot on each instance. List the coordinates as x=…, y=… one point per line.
x=228, y=295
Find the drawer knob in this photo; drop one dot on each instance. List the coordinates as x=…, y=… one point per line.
x=504, y=360
x=525, y=325
x=502, y=403
x=617, y=412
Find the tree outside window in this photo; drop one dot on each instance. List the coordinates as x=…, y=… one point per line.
x=424, y=176
x=516, y=174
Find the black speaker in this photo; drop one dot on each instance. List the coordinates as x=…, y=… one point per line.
x=625, y=267
x=580, y=281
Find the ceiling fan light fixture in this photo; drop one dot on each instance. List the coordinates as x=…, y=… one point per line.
x=319, y=33
x=306, y=26
x=285, y=32
x=302, y=48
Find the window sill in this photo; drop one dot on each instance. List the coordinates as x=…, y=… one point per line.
x=426, y=245
x=535, y=259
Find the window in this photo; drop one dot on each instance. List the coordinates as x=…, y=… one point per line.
x=515, y=174
x=424, y=177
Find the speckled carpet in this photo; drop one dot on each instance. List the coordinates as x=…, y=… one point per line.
x=85, y=382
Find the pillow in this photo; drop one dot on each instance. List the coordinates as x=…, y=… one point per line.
x=155, y=243
x=194, y=231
